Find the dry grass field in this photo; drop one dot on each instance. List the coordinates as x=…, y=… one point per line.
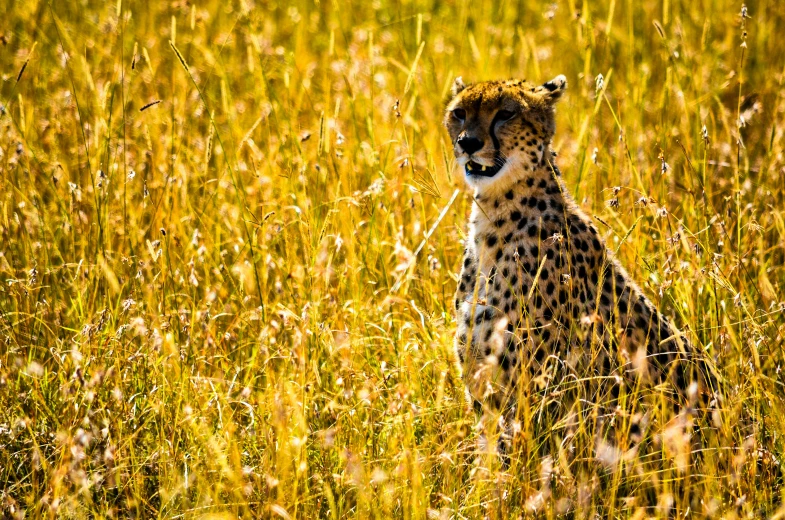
x=230, y=232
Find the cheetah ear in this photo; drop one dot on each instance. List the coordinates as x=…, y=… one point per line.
x=553, y=89
x=457, y=86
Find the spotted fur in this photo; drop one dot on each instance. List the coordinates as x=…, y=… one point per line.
x=541, y=300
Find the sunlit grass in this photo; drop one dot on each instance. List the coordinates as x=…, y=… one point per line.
x=229, y=245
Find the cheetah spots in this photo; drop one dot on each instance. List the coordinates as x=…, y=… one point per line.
x=486, y=314
x=505, y=360
x=680, y=376
x=491, y=240
x=538, y=301
x=641, y=322
x=488, y=334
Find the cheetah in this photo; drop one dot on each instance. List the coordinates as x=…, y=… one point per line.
x=542, y=304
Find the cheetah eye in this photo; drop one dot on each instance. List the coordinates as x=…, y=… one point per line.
x=459, y=114
x=504, y=115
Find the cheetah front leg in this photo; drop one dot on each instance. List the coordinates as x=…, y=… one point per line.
x=464, y=295
x=486, y=378
x=481, y=336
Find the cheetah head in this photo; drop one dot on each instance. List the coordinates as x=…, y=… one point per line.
x=500, y=129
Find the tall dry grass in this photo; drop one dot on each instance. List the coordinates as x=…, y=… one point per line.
x=219, y=292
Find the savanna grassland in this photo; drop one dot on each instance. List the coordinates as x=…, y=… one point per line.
x=230, y=232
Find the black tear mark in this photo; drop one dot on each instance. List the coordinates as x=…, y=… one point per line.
x=496, y=144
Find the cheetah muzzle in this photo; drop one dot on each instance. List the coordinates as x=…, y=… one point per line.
x=481, y=170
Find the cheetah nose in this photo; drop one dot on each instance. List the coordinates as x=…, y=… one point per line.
x=470, y=144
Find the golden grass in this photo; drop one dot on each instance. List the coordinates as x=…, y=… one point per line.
x=217, y=305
